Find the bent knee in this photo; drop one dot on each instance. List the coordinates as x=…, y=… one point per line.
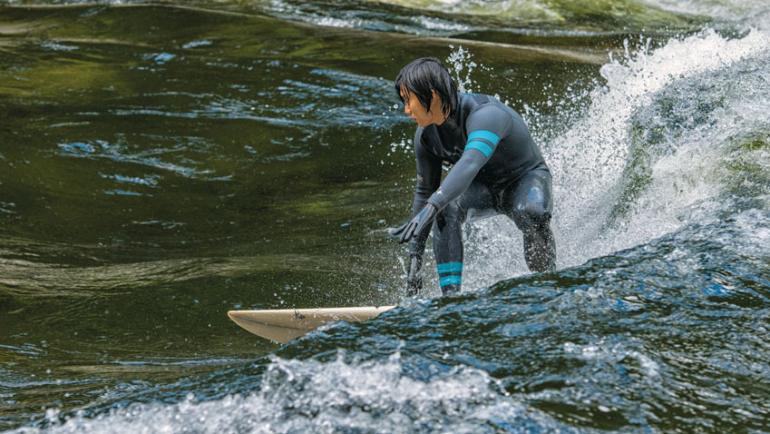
x=531, y=216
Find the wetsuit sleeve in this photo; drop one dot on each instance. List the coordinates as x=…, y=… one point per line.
x=428, y=180
x=485, y=126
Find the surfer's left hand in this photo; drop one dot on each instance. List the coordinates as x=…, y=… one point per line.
x=417, y=225
x=413, y=277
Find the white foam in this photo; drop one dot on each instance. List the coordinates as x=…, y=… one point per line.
x=311, y=396
x=588, y=160
x=613, y=354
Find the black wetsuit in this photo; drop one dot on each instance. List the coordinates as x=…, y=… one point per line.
x=496, y=169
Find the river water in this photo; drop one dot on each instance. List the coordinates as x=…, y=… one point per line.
x=163, y=163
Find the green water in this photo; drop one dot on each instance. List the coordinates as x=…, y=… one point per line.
x=162, y=164
x=167, y=164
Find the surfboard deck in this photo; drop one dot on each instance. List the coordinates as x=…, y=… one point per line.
x=283, y=325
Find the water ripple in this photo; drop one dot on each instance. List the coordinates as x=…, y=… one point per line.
x=101, y=149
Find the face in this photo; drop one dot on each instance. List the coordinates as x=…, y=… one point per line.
x=415, y=110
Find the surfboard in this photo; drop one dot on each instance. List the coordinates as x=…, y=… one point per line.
x=283, y=325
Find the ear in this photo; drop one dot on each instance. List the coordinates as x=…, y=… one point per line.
x=435, y=101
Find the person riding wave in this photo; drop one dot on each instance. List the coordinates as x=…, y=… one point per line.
x=496, y=168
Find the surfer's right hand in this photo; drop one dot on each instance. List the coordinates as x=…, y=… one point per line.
x=415, y=227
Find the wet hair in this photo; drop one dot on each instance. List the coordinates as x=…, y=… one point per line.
x=423, y=75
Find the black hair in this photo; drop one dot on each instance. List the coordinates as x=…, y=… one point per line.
x=423, y=75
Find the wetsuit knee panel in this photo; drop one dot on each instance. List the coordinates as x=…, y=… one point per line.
x=531, y=215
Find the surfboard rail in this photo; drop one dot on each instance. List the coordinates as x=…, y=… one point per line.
x=283, y=325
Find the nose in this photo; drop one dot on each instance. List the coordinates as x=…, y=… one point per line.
x=406, y=108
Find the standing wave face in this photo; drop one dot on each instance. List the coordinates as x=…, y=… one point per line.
x=675, y=137
x=633, y=168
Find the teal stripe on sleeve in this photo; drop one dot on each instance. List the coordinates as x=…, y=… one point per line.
x=481, y=147
x=450, y=280
x=489, y=136
x=450, y=267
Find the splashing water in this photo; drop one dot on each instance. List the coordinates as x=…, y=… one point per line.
x=663, y=169
x=602, y=202
x=590, y=161
x=310, y=396
x=460, y=63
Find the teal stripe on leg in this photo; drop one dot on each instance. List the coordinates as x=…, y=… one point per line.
x=450, y=267
x=450, y=280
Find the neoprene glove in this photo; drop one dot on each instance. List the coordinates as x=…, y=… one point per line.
x=417, y=225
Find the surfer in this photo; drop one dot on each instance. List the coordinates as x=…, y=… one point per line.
x=495, y=168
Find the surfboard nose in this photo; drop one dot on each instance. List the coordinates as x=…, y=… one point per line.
x=235, y=314
x=252, y=322
x=283, y=325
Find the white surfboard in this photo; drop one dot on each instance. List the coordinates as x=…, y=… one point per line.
x=283, y=325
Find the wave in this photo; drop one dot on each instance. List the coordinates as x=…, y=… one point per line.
x=673, y=138
x=627, y=341
x=310, y=396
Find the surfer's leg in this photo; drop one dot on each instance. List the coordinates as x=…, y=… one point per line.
x=529, y=204
x=448, y=237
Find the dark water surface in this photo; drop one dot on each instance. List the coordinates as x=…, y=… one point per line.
x=163, y=163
